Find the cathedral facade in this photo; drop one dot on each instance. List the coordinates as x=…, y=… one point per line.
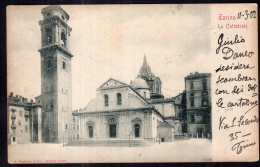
x=137, y=110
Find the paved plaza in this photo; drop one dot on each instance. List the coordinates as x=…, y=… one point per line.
x=197, y=150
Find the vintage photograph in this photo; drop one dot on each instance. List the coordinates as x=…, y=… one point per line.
x=89, y=83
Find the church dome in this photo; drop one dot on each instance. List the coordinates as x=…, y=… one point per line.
x=139, y=83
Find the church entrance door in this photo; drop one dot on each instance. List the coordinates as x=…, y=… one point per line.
x=90, y=131
x=112, y=129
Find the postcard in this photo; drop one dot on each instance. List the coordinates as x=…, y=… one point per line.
x=132, y=83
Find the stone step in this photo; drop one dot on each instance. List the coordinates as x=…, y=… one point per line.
x=113, y=143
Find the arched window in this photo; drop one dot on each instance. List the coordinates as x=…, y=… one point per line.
x=64, y=65
x=48, y=33
x=157, y=87
x=90, y=131
x=63, y=39
x=137, y=130
x=106, y=99
x=119, y=98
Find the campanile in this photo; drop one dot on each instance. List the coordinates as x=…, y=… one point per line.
x=55, y=75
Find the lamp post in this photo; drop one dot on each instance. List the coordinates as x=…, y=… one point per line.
x=159, y=139
x=129, y=139
x=63, y=139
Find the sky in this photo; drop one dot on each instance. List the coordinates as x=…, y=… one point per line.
x=110, y=41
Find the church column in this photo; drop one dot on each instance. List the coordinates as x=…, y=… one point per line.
x=53, y=33
x=67, y=37
x=56, y=34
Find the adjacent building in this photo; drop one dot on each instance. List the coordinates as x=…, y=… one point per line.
x=24, y=120
x=198, y=102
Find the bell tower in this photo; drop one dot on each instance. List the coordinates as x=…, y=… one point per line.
x=55, y=75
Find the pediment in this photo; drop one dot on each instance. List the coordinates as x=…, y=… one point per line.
x=112, y=83
x=136, y=120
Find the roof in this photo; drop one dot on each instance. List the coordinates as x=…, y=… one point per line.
x=155, y=101
x=164, y=124
x=197, y=75
x=139, y=83
x=55, y=7
x=120, y=86
x=112, y=79
x=145, y=71
x=19, y=100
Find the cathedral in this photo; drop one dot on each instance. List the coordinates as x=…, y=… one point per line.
x=121, y=110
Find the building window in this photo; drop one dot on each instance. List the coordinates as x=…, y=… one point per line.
x=26, y=119
x=144, y=94
x=64, y=65
x=119, y=98
x=13, y=139
x=204, y=101
x=21, y=113
x=66, y=127
x=192, y=95
x=48, y=34
x=19, y=123
x=157, y=87
x=204, y=83
x=137, y=130
x=191, y=85
x=63, y=39
x=106, y=99
x=52, y=107
x=26, y=128
x=77, y=127
x=192, y=102
x=48, y=63
x=204, y=94
x=192, y=118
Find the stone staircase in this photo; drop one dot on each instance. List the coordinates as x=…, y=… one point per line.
x=180, y=137
x=110, y=143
